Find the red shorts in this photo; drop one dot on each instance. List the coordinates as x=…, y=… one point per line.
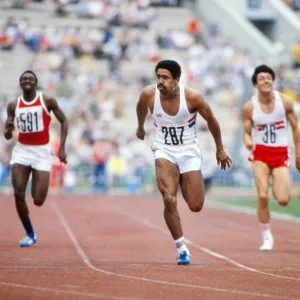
x=274, y=157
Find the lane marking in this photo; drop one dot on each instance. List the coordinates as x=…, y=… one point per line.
x=203, y=249
x=80, y=294
x=40, y=267
x=87, y=261
x=249, y=210
x=216, y=204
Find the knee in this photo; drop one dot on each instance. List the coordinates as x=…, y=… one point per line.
x=169, y=201
x=282, y=198
x=195, y=201
x=196, y=206
x=263, y=200
x=38, y=202
x=19, y=194
x=283, y=201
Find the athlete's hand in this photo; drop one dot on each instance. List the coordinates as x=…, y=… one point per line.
x=249, y=145
x=223, y=159
x=10, y=125
x=9, y=128
x=140, y=133
x=62, y=155
x=298, y=162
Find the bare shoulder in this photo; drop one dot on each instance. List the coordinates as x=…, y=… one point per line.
x=248, y=106
x=248, y=109
x=193, y=94
x=50, y=102
x=148, y=92
x=287, y=102
x=48, y=99
x=194, y=98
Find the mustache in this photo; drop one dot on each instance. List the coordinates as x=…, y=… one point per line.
x=160, y=85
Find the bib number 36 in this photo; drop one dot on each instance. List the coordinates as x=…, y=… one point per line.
x=269, y=134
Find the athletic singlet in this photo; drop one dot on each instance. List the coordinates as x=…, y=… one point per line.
x=33, y=120
x=270, y=129
x=174, y=131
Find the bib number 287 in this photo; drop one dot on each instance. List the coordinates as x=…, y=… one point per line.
x=172, y=136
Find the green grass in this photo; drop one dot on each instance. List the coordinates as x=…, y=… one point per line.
x=292, y=209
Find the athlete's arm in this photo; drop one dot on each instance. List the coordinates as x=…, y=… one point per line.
x=293, y=120
x=53, y=106
x=198, y=102
x=207, y=114
x=248, y=124
x=142, y=111
x=9, y=124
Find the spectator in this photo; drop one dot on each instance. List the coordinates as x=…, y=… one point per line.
x=296, y=54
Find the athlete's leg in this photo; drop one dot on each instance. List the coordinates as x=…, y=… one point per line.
x=281, y=185
x=193, y=190
x=40, y=185
x=20, y=176
x=167, y=177
x=261, y=173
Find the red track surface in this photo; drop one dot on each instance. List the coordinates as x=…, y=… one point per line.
x=119, y=248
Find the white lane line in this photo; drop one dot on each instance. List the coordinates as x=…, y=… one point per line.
x=87, y=261
x=40, y=267
x=216, y=204
x=206, y=250
x=59, y=291
x=249, y=211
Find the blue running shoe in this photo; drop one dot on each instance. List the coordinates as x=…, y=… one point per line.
x=28, y=241
x=183, y=259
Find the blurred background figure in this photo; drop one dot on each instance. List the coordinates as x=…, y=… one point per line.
x=102, y=153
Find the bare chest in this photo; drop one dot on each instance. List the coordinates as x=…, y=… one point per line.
x=170, y=107
x=267, y=108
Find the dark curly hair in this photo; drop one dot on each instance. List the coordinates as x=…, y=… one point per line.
x=170, y=65
x=262, y=69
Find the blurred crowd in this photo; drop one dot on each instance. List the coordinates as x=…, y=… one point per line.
x=294, y=4
x=97, y=73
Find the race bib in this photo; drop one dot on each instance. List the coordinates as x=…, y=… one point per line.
x=30, y=119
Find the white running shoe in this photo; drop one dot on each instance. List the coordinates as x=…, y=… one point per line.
x=28, y=241
x=268, y=244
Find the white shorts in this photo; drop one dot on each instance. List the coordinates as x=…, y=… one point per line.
x=37, y=157
x=188, y=159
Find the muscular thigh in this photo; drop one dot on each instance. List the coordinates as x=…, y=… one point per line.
x=40, y=184
x=281, y=182
x=261, y=173
x=192, y=188
x=167, y=176
x=20, y=176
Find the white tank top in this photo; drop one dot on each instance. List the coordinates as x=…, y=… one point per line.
x=270, y=129
x=174, y=131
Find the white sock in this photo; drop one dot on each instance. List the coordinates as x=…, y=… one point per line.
x=181, y=246
x=265, y=230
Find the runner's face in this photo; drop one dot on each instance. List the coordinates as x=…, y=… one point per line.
x=264, y=82
x=165, y=81
x=28, y=82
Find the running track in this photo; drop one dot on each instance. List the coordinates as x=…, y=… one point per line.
x=93, y=247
